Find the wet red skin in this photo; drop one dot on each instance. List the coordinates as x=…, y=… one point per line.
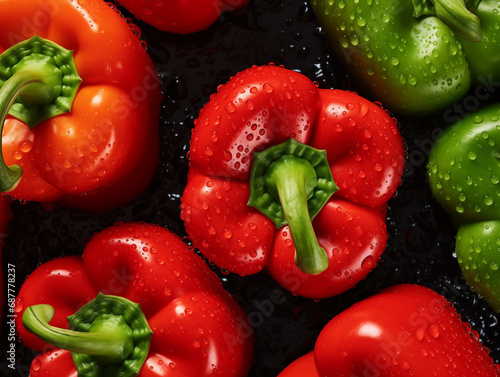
x=198, y=329
x=109, y=140
x=404, y=330
x=181, y=16
x=265, y=106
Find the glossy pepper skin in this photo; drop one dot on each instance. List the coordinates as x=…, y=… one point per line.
x=403, y=330
x=103, y=151
x=181, y=16
x=197, y=328
x=410, y=56
x=463, y=176
x=265, y=107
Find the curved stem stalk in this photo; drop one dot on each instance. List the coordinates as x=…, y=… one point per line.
x=111, y=343
x=13, y=87
x=290, y=177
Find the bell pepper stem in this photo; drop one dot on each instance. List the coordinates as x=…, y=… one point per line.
x=290, y=183
x=108, y=336
x=38, y=81
x=111, y=344
x=457, y=14
x=289, y=176
x=11, y=175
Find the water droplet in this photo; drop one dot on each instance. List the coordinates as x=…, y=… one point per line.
x=36, y=365
x=19, y=305
x=488, y=200
x=434, y=331
x=230, y=108
x=368, y=262
x=25, y=146
x=477, y=119
x=420, y=334
x=361, y=21
x=268, y=88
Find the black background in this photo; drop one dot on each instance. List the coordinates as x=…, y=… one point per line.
x=421, y=235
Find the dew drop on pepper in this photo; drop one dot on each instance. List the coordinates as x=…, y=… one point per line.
x=19, y=305
x=16, y=155
x=419, y=334
x=36, y=365
x=227, y=156
x=268, y=88
x=434, y=331
x=25, y=146
x=230, y=108
x=368, y=262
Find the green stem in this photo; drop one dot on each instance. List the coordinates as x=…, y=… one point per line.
x=112, y=343
x=13, y=87
x=457, y=14
x=38, y=80
x=109, y=336
x=289, y=176
x=290, y=183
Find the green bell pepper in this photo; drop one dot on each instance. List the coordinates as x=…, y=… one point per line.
x=417, y=57
x=464, y=176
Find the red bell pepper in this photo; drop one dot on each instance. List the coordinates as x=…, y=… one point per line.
x=5, y=216
x=405, y=330
x=180, y=16
x=192, y=324
x=292, y=124
x=83, y=127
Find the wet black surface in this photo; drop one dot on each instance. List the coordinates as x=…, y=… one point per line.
x=421, y=243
